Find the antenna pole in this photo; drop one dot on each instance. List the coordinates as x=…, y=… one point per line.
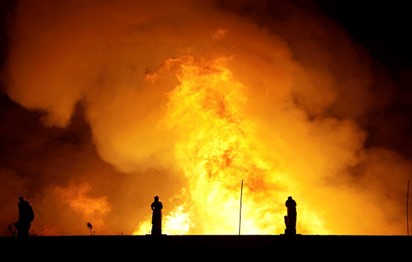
x=240, y=211
x=407, y=206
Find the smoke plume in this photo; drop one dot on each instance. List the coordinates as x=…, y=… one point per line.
x=109, y=103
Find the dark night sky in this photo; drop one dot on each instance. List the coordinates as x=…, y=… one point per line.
x=384, y=28
x=381, y=26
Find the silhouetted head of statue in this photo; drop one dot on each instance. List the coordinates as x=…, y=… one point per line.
x=289, y=198
x=156, y=197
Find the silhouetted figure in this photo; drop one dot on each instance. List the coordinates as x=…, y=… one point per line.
x=90, y=227
x=290, y=219
x=157, y=207
x=26, y=216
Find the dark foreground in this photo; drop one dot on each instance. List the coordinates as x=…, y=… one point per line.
x=216, y=247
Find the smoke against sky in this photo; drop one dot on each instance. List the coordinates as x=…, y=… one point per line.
x=106, y=104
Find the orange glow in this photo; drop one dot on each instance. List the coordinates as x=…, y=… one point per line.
x=119, y=101
x=216, y=147
x=90, y=209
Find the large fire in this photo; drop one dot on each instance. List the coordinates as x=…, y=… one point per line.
x=221, y=114
x=216, y=147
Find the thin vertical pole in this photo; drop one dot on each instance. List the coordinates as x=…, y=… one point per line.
x=240, y=211
x=407, y=206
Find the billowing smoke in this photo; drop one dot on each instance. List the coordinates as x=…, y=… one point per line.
x=109, y=103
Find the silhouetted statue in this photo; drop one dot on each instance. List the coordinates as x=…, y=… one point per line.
x=290, y=219
x=90, y=227
x=157, y=207
x=26, y=216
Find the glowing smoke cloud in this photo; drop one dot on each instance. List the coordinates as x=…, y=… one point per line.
x=185, y=99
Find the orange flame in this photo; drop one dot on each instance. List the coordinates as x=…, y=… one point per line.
x=216, y=147
x=88, y=208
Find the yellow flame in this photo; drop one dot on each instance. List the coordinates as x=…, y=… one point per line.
x=216, y=148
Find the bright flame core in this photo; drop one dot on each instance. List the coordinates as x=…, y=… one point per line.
x=217, y=149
